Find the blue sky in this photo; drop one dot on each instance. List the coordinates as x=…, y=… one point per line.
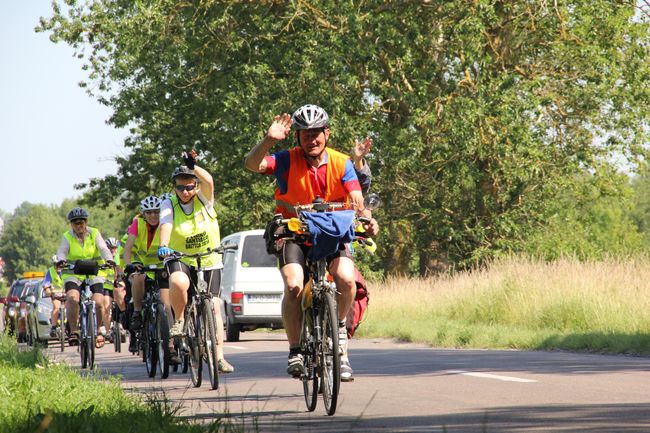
x=52, y=134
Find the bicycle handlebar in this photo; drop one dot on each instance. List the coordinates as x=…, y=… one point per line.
x=219, y=250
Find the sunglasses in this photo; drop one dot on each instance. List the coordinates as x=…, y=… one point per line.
x=77, y=222
x=185, y=187
x=151, y=212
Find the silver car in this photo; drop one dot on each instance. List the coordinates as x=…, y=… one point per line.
x=39, y=311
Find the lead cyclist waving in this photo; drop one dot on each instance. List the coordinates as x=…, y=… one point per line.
x=304, y=172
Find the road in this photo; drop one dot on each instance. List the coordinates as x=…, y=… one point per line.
x=412, y=388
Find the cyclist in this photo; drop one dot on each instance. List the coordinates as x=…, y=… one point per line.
x=142, y=245
x=52, y=284
x=188, y=223
x=82, y=242
x=302, y=173
x=113, y=286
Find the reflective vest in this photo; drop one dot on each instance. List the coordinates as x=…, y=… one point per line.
x=195, y=233
x=299, y=187
x=119, y=254
x=147, y=256
x=109, y=275
x=55, y=278
x=87, y=251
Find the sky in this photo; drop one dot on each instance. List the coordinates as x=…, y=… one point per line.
x=53, y=135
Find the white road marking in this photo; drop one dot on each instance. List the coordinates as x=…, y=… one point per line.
x=232, y=346
x=491, y=376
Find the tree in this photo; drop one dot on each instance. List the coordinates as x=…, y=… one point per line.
x=482, y=111
x=30, y=238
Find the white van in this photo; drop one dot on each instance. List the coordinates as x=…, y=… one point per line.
x=251, y=285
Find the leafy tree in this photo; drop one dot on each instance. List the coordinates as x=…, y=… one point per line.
x=30, y=238
x=483, y=112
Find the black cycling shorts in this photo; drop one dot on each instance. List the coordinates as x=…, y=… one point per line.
x=95, y=288
x=212, y=276
x=293, y=252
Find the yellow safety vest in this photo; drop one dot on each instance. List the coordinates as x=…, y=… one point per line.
x=87, y=251
x=196, y=232
x=55, y=278
x=147, y=256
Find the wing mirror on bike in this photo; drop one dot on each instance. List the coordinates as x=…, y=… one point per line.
x=371, y=201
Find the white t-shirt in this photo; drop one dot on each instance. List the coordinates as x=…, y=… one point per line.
x=167, y=213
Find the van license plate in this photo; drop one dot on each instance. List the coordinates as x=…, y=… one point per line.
x=265, y=299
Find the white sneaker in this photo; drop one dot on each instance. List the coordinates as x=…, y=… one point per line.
x=177, y=329
x=102, y=330
x=343, y=341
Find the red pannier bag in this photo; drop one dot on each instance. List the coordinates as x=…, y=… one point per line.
x=355, y=315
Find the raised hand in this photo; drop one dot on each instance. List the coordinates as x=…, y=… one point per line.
x=361, y=148
x=189, y=158
x=280, y=128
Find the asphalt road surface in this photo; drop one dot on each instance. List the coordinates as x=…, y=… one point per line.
x=410, y=388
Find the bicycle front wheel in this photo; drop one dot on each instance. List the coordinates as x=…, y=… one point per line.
x=330, y=357
x=83, y=336
x=162, y=341
x=210, y=342
x=310, y=378
x=61, y=326
x=115, y=328
x=194, y=345
x=91, y=333
x=150, y=349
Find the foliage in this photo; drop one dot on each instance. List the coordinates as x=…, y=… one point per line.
x=32, y=234
x=30, y=237
x=482, y=112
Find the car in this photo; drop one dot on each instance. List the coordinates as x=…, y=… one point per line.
x=251, y=285
x=15, y=322
x=39, y=311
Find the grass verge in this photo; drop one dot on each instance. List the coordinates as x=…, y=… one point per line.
x=38, y=396
x=517, y=303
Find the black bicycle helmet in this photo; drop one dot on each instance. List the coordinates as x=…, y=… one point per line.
x=183, y=170
x=310, y=117
x=78, y=213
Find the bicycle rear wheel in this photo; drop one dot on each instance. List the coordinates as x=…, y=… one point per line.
x=194, y=344
x=91, y=333
x=162, y=341
x=330, y=358
x=310, y=379
x=210, y=342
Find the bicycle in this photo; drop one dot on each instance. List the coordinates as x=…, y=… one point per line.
x=199, y=330
x=87, y=313
x=116, y=330
x=153, y=337
x=62, y=320
x=319, y=339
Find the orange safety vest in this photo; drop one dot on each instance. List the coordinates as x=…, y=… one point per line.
x=299, y=188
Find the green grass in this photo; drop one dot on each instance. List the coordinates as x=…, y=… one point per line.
x=522, y=304
x=38, y=396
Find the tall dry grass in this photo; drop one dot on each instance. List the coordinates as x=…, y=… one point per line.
x=520, y=303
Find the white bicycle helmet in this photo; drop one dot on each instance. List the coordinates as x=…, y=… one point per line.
x=112, y=243
x=54, y=259
x=310, y=117
x=150, y=203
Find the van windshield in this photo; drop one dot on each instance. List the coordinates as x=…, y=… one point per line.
x=254, y=254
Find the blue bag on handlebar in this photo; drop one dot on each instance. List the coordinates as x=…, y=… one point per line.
x=329, y=230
